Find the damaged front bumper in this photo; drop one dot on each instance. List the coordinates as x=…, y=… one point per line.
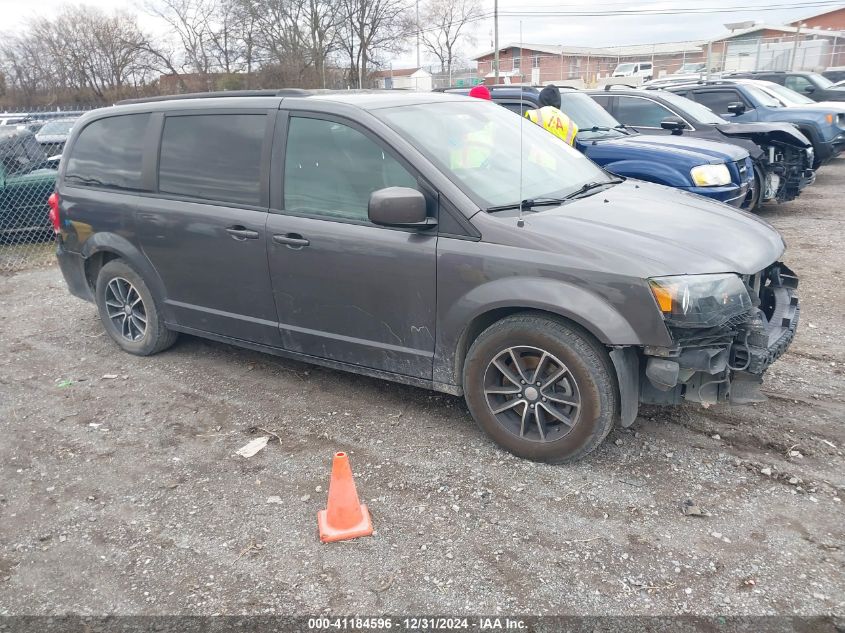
x=726, y=363
x=786, y=172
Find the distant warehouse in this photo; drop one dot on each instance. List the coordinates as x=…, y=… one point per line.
x=814, y=42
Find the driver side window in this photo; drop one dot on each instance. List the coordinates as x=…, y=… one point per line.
x=331, y=169
x=797, y=83
x=640, y=112
x=718, y=100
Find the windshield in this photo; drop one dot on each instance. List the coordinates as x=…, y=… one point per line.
x=690, y=68
x=56, y=128
x=588, y=114
x=762, y=97
x=21, y=155
x=624, y=68
x=785, y=95
x=693, y=108
x=478, y=144
x=820, y=80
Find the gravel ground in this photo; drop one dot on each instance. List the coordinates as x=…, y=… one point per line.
x=122, y=494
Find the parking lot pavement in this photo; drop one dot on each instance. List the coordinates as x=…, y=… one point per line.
x=120, y=491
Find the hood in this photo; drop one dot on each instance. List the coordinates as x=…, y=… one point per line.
x=821, y=106
x=765, y=133
x=685, y=152
x=834, y=94
x=717, y=151
x=646, y=230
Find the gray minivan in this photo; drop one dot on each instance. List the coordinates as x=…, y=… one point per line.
x=431, y=239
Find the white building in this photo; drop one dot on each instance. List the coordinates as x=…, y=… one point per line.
x=404, y=78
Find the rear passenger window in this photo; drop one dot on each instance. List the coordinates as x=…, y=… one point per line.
x=331, y=169
x=108, y=153
x=213, y=156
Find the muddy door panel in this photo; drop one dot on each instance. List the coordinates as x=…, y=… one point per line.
x=352, y=293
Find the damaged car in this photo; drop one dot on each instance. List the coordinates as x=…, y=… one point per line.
x=719, y=171
x=429, y=239
x=782, y=156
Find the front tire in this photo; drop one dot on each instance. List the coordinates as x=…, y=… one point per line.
x=541, y=388
x=129, y=312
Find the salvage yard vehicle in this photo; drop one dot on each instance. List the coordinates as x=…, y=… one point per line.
x=782, y=156
x=813, y=85
x=644, y=70
x=746, y=100
x=53, y=134
x=426, y=238
x=719, y=171
x=27, y=179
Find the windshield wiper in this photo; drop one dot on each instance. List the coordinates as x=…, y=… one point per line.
x=590, y=186
x=548, y=202
x=528, y=204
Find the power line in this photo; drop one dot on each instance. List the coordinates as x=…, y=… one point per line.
x=645, y=11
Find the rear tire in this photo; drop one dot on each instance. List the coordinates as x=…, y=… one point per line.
x=128, y=311
x=541, y=388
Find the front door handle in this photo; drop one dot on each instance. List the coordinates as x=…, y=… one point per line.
x=291, y=240
x=241, y=233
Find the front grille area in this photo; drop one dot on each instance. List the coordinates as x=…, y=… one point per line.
x=771, y=328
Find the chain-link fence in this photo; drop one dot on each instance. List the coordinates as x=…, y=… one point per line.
x=27, y=178
x=789, y=48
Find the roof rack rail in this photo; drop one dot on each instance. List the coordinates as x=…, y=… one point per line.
x=275, y=92
x=609, y=87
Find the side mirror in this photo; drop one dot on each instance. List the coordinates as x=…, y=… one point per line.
x=676, y=124
x=809, y=90
x=399, y=206
x=736, y=108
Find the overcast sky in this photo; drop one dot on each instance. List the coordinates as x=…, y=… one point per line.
x=576, y=31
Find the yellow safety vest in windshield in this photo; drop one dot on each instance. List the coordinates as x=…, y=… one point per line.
x=555, y=122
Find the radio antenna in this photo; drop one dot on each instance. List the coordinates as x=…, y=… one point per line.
x=520, y=222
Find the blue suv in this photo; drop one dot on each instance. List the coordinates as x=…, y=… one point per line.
x=748, y=100
x=719, y=171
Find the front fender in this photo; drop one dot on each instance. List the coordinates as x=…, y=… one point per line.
x=661, y=174
x=591, y=311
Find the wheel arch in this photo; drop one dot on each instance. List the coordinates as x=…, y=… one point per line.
x=485, y=319
x=102, y=248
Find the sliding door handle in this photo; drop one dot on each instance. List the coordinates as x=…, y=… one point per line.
x=291, y=240
x=242, y=233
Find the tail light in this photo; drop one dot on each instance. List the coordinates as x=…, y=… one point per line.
x=53, y=203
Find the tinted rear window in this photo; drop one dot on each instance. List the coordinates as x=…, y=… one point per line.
x=213, y=157
x=108, y=153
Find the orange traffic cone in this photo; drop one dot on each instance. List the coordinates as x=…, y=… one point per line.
x=344, y=517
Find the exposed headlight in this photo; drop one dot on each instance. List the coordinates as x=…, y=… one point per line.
x=700, y=300
x=711, y=175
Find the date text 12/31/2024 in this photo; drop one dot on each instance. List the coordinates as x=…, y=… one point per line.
x=415, y=623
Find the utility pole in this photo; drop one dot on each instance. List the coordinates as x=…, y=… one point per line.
x=795, y=47
x=709, y=60
x=496, y=40
x=418, y=33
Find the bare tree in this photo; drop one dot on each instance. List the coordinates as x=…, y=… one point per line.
x=443, y=24
x=294, y=38
x=370, y=27
x=192, y=23
x=83, y=52
x=322, y=18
